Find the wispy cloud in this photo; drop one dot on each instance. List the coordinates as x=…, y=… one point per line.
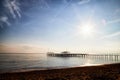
x=13, y=7
x=43, y=3
x=61, y=10
x=113, y=21
x=111, y=35
x=83, y=2
x=65, y=1
x=117, y=11
x=4, y=19
x=106, y=22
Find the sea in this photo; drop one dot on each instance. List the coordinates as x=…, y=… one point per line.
x=15, y=62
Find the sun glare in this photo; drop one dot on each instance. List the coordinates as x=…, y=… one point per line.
x=86, y=29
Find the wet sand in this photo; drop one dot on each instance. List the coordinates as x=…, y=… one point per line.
x=103, y=72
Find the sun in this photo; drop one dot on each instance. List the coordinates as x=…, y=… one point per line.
x=86, y=29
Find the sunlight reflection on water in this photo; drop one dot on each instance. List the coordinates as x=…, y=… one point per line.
x=12, y=62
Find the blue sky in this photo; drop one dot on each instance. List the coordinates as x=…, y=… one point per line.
x=57, y=25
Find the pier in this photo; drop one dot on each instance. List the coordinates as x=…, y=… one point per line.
x=83, y=55
x=67, y=55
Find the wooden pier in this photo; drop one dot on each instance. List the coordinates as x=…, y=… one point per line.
x=82, y=55
x=67, y=55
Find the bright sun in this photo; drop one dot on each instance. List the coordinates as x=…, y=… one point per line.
x=86, y=29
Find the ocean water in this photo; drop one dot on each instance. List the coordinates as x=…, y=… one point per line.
x=10, y=62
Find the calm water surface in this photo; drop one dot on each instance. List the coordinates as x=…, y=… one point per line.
x=31, y=61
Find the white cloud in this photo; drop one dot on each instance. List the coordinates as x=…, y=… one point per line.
x=4, y=19
x=65, y=1
x=112, y=35
x=44, y=4
x=105, y=22
x=13, y=7
x=113, y=21
x=117, y=12
x=83, y=2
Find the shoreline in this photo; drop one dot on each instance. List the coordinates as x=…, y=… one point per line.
x=51, y=68
x=101, y=72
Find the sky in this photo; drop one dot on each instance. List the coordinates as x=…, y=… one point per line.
x=40, y=26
